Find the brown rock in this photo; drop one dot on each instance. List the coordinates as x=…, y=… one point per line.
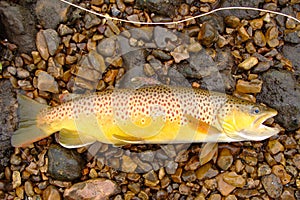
x=47, y=83
x=243, y=33
x=296, y=161
x=234, y=179
x=41, y=45
x=127, y=164
x=206, y=171
x=208, y=34
x=91, y=189
x=272, y=185
x=279, y=171
x=275, y=146
x=151, y=179
x=51, y=192
x=272, y=36
x=253, y=86
x=257, y=23
x=225, y=159
x=248, y=63
x=244, y=194
x=232, y=21
x=259, y=38
x=223, y=187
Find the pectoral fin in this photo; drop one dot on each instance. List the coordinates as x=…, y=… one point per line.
x=200, y=126
x=72, y=139
x=127, y=139
x=208, y=152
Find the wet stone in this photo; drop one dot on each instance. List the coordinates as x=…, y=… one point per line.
x=208, y=34
x=283, y=96
x=234, y=179
x=264, y=170
x=275, y=146
x=223, y=187
x=225, y=159
x=127, y=164
x=171, y=167
x=232, y=21
x=206, y=171
x=272, y=185
x=253, y=86
x=47, y=83
x=248, y=63
x=91, y=189
x=64, y=164
x=151, y=179
x=51, y=192
x=106, y=47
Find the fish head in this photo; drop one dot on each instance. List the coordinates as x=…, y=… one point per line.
x=243, y=121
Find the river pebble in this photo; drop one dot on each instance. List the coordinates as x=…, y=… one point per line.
x=272, y=185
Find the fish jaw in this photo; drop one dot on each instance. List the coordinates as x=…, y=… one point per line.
x=258, y=130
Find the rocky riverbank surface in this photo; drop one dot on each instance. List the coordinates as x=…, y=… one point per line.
x=49, y=48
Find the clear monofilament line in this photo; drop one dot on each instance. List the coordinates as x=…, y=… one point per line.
x=184, y=20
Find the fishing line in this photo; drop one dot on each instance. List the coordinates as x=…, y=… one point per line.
x=106, y=16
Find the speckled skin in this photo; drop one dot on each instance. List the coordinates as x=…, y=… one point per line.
x=156, y=114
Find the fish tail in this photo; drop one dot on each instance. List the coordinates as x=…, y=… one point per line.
x=27, y=131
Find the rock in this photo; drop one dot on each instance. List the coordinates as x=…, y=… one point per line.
x=223, y=187
x=248, y=63
x=143, y=33
x=272, y=36
x=128, y=165
x=296, y=160
x=275, y=146
x=19, y=26
x=162, y=7
x=171, y=167
x=272, y=185
x=206, y=171
x=64, y=30
x=106, y=47
x=241, y=14
x=91, y=189
x=52, y=40
x=244, y=194
x=280, y=172
x=225, y=159
x=208, y=35
x=253, y=86
x=16, y=179
x=262, y=67
x=263, y=170
x=47, y=83
x=162, y=35
x=292, y=37
x=41, y=45
x=189, y=176
x=259, y=38
x=283, y=96
x=54, y=68
x=9, y=121
x=234, y=179
x=151, y=179
x=64, y=164
x=28, y=188
x=51, y=13
x=51, y=192
x=232, y=21
x=286, y=50
x=91, y=20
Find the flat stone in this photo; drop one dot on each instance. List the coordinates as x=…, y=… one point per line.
x=41, y=45
x=206, y=171
x=223, y=187
x=225, y=159
x=91, y=189
x=161, y=35
x=234, y=179
x=64, y=30
x=151, y=179
x=272, y=185
x=253, y=86
x=208, y=34
x=248, y=63
x=275, y=146
x=47, y=83
x=106, y=47
x=97, y=61
x=51, y=192
x=64, y=164
x=128, y=165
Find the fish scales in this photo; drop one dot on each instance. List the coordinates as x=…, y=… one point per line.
x=154, y=114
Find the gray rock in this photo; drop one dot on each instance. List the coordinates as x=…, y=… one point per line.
x=52, y=40
x=293, y=57
x=47, y=83
x=162, y=35
x=247, y=14
x=19, y=26
x=64, y=164
x=282, y=92
x=8, y=120
x=292, y=37
x=91, y=20
x=162, y=7
x=107, y=47
x=144, y=33
x=51, y=13
x=272, y=185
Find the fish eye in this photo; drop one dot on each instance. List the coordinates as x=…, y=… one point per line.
x=255, y=110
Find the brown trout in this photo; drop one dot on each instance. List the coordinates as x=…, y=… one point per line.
x=154, y=114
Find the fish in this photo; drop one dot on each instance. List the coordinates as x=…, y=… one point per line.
x=156, y=114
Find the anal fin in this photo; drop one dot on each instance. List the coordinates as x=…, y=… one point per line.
x=72, y=139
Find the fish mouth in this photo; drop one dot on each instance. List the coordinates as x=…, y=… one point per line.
x=260, y=131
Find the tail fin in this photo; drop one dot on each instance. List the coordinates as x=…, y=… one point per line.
x=27, y=132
